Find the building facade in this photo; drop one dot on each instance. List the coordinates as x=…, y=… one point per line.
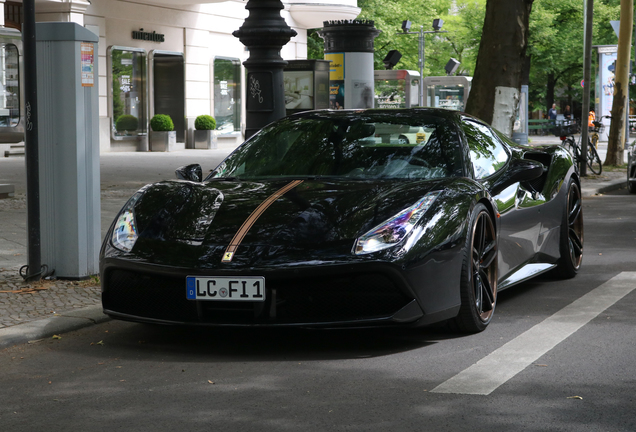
x=163, y=57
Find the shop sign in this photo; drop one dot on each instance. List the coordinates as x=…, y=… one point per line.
x=142, y=35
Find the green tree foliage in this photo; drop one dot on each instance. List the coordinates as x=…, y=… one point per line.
x=463, y=19
x=556, y=47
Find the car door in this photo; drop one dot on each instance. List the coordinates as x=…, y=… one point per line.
x=519, y=226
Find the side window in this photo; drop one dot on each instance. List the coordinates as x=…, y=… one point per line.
x=487, y=153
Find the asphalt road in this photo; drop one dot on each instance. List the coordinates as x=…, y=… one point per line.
x=573, y=342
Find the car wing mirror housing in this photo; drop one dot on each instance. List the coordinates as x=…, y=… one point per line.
x=520, y=170
x=192, y=172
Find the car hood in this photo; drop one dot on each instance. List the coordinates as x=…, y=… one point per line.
x=178, y=220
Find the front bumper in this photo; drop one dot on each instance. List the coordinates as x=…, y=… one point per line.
x=369, y=294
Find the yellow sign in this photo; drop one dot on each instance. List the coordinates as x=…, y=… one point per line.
x=336, y=68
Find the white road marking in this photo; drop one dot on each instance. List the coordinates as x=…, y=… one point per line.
x=487, y=374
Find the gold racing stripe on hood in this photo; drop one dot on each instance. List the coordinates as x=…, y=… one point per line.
x=247, y=225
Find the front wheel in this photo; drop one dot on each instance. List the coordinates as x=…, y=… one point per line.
x=479, y=273
x=593, y=160
x=571, y=237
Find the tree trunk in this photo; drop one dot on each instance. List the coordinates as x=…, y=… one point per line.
x=494, y=94
x=616, y=140
x=549, y=93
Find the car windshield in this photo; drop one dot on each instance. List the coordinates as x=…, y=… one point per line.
x=354, y=145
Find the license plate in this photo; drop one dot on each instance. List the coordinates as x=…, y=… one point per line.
x=251, y=288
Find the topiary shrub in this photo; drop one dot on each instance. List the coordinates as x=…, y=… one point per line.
x=205, y=122
x=161, y=123
x=126, y=122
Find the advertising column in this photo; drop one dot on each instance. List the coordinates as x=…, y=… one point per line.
x=349, y=47
x=605, y=85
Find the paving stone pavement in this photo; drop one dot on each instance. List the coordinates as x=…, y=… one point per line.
x=22, y=302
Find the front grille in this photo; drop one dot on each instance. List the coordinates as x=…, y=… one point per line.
x=337, y=299
x=148, y=296
x=316, y=300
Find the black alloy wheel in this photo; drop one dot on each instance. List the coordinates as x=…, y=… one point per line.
x=479, y=274
x=571, y=243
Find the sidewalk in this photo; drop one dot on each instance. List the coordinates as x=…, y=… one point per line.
x=40, y=310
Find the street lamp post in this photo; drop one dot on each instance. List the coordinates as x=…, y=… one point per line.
x=406, y=26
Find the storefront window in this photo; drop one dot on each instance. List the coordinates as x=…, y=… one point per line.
x=128, y=71
x=227, y=94
x=9, y=86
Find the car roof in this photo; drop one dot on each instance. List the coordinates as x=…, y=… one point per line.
x=436, y=112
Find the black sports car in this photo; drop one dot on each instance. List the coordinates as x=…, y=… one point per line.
x=347, y=218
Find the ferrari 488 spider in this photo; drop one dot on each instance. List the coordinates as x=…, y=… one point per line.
x=347, y=218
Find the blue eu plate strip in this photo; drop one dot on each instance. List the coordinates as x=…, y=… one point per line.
x=191, y=288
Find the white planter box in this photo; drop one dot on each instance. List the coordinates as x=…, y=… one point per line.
x=205, y=139
x=163, y=141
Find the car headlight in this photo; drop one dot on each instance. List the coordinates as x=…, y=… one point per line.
x=392, y=231
x=125, y=230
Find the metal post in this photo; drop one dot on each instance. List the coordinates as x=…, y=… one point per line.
x=34, y=264
x=421, y=55
x=587, y=78
x=421, y=34
x=264, y=33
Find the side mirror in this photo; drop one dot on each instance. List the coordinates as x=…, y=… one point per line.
x=192, y=172
x=520, y=170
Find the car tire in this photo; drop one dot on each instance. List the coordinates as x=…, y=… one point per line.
x=571, y=237
x=478, y=287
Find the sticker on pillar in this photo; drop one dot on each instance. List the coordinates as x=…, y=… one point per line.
x=260, y=92
x=362, y=94
x=87, y=64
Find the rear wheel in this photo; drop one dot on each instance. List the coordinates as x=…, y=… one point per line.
x=593, y=160
x=571, y=241
x=571, y=146
x=479, y=273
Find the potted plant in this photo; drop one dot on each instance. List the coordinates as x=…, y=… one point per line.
x=163, y=136
x=204, y=133
x=126, y=123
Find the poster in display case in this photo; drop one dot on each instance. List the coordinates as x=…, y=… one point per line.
x=306, y=85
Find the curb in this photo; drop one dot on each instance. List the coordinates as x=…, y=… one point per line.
x=47, y=327
x=602, y=188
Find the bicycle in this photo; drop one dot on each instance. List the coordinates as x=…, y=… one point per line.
x=598, y=129
x=568, y=141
